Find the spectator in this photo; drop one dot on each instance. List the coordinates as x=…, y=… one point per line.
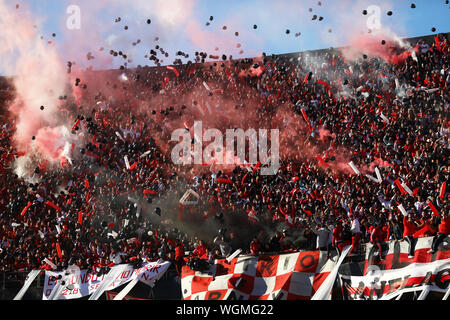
x=408, y=234
x=346, y=237
x=376, y=238
x=396, y=230
x=285, y=241
x=200, y=250
x=323, y=235
x=356, y=234
x=274, y=243
x=443, y=232
x=337, y=235
x=224, y=245
x=179, y=256
x=255, y=246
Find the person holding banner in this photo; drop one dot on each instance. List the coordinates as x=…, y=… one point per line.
x=443, y=232
x=376, y=239
x=408, y=234
x=179, y=256
x=337, y=235
x=396, y=228
x=426, y=227
x=346, y=237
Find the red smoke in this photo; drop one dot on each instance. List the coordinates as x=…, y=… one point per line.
x=372, y=46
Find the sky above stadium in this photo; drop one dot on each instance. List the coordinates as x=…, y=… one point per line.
x=82, y=26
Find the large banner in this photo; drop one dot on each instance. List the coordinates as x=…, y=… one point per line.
x=387, y=278
x=84, y=283
x=396, y=254
x=282, y=277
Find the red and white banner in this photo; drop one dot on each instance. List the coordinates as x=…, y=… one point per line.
x=396, y=256
x=282, y=277
x=85, y=284
x=387, y=278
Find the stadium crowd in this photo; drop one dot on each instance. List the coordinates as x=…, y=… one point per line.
x=87, y=213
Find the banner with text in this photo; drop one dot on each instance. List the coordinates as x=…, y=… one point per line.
x=85, y=283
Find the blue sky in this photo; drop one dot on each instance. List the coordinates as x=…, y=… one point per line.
x=272, y=18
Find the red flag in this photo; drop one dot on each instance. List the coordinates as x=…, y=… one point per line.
x=306, y=118
x=58, y=250
x=80, y=217
x=399, y=185
x=174, y=70
x=438, y=45
x=442, y=193
x=243, y=179
x=306, y=78
x=54, y=206
x=224, y=180
x=433, y=208
x=148, y=191
x=323, y=83
x=256, y=167
x=25, y=209
x=86, y=183
x=76, y=124
x=133, y=166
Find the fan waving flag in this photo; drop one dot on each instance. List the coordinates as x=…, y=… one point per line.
x=305, y=116
x=25, y=209
x=54, y=206
x=174, y=70
x=80, y=217
x=58, y=250
x=438, y=45
x=442, y=191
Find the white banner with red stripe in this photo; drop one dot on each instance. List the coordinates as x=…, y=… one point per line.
x=396, y=273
